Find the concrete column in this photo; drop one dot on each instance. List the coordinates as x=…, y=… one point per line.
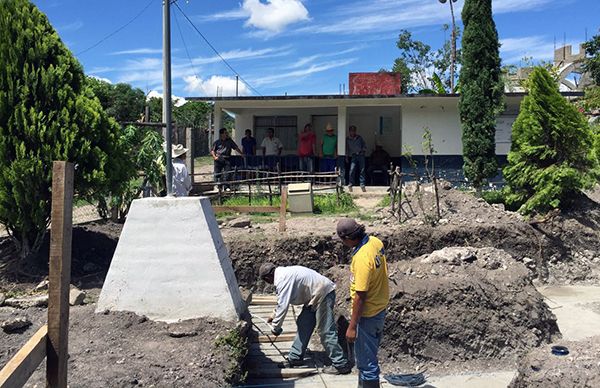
x=341, y=130
x=218, y=120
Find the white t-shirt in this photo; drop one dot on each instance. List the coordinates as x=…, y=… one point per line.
x=182, y=183
x=298, y=285
x=271, y=146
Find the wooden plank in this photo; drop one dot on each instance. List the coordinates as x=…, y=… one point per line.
x=59, y=274
x=263, y=303
x=19, y=368
x=286, y=337
x=283, y=209
x=246, y=209
x=282, y=372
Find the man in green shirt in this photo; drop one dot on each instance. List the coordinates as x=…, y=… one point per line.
x=328, y=150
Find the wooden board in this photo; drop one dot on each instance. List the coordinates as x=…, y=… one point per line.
x=282, y=373
x=271, y=338
x=19, y=368
x=246, y=209
x=283, y=209
x=59, y=274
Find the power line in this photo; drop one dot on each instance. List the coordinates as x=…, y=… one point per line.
x=215, y=50
x=185, y=46
x=117, y=30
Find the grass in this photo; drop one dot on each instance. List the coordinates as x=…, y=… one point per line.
x=236, y=346
x=202, y=161
x=325, y=204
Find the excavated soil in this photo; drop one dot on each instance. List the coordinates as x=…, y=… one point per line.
x=459, y=304
x=126, y=350
x=580, y=368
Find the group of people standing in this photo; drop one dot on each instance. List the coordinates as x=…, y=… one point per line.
x=308, y=151
x=369, y=291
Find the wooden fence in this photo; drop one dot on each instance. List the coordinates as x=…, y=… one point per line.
x=51, y=340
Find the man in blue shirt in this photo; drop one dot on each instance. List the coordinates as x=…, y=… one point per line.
x=249, y=144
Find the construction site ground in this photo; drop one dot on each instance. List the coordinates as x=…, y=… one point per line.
x=561, y=256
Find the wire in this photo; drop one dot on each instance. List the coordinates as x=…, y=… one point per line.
x=185, y=46
x=215, y=50
x=117, y=30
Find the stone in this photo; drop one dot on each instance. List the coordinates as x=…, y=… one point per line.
x=2, y=299
x=241, y=222
x=15, y=324
x=527, y=260
x=443, y=221
x=27, y=302
x=181, y=334
x=76, y=297
x=446, y=185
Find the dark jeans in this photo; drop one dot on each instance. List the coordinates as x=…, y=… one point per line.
x=222, y=168
x=368, y=338
x=271, y=162
x=328, y=163
x=357, y=161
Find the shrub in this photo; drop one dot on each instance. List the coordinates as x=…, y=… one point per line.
x=551, y=154
x=47, y=113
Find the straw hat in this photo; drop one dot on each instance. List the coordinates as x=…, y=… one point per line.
x=177, y=150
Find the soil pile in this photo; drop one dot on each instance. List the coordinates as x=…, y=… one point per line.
x=121, y=349
x=580, y=368
x=459, y=304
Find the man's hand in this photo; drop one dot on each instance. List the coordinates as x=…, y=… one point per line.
x=270, y=319
x=351, y=334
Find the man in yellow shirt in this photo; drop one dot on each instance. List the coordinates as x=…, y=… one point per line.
x=370, y=294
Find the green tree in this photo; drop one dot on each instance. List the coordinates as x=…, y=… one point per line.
x=47, y=112
x=481, y=91
x=592, y=62
x=414, y=62
x=120, y=101
x=551, y=155
x=193, y=114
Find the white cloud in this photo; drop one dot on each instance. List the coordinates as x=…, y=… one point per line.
x=208, y=87
x=77, y=25
x=141, y=51
x=233, y=14
x=155, y=94
x=315, y=68
x=274, y=15
x=101, y=78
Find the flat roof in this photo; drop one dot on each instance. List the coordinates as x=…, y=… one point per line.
x=351, y=97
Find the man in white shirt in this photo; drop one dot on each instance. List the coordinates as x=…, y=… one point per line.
x=272, y=148
x=182, y=182
x=299, y=285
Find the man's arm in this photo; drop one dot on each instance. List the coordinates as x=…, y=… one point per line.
x=357, y=310
x=284, y=294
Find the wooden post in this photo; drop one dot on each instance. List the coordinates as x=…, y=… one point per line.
x=59, y=274
x=283, y=209
x=189, y=144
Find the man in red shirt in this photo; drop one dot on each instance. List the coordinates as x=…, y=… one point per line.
x=306, y=148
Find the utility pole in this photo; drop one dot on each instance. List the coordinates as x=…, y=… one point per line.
x=237, y=81
x=167, y=91
x=453, y=52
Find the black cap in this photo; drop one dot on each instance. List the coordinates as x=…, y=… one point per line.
x=266, y=269
x=348, y=227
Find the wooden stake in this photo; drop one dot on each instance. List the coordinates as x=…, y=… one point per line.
x=19, y=368
x=283, y=209
x=59, y=275
x=189, y=144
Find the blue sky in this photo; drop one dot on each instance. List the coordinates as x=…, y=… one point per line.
x=290, y=46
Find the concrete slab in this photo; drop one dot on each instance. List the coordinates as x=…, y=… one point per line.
x=171, y=264
x=576, y=309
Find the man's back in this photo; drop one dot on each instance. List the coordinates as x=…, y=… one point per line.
x=301, y=285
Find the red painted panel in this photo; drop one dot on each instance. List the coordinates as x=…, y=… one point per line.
x=375, y=83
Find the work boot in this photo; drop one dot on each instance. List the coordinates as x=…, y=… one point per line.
x=363, y=188
x=291, y=363
x=332, y=370
x=370, y=383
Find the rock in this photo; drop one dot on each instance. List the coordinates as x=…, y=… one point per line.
x=499, y=206
x=27, y=302
x=443, y=221
x=43, y=285
x=240, y=222
x=76, y=297
x=15, y=324
x=446, y=185
x=527, y=260
x=2, y=299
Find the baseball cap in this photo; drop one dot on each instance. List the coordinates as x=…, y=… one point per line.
x=347, y=227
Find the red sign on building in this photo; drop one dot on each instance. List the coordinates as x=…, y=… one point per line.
x=375, y=83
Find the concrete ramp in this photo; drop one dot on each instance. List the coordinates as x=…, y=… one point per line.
x=171, y=264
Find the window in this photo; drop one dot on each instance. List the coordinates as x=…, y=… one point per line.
x=286, y=129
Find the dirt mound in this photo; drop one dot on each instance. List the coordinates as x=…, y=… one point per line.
x=459, y=304
x=123, y=350
x=580, y=368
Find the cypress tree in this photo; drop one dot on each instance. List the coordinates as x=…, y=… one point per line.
x=47, y=112
x=481, y=91
x=551, y=157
